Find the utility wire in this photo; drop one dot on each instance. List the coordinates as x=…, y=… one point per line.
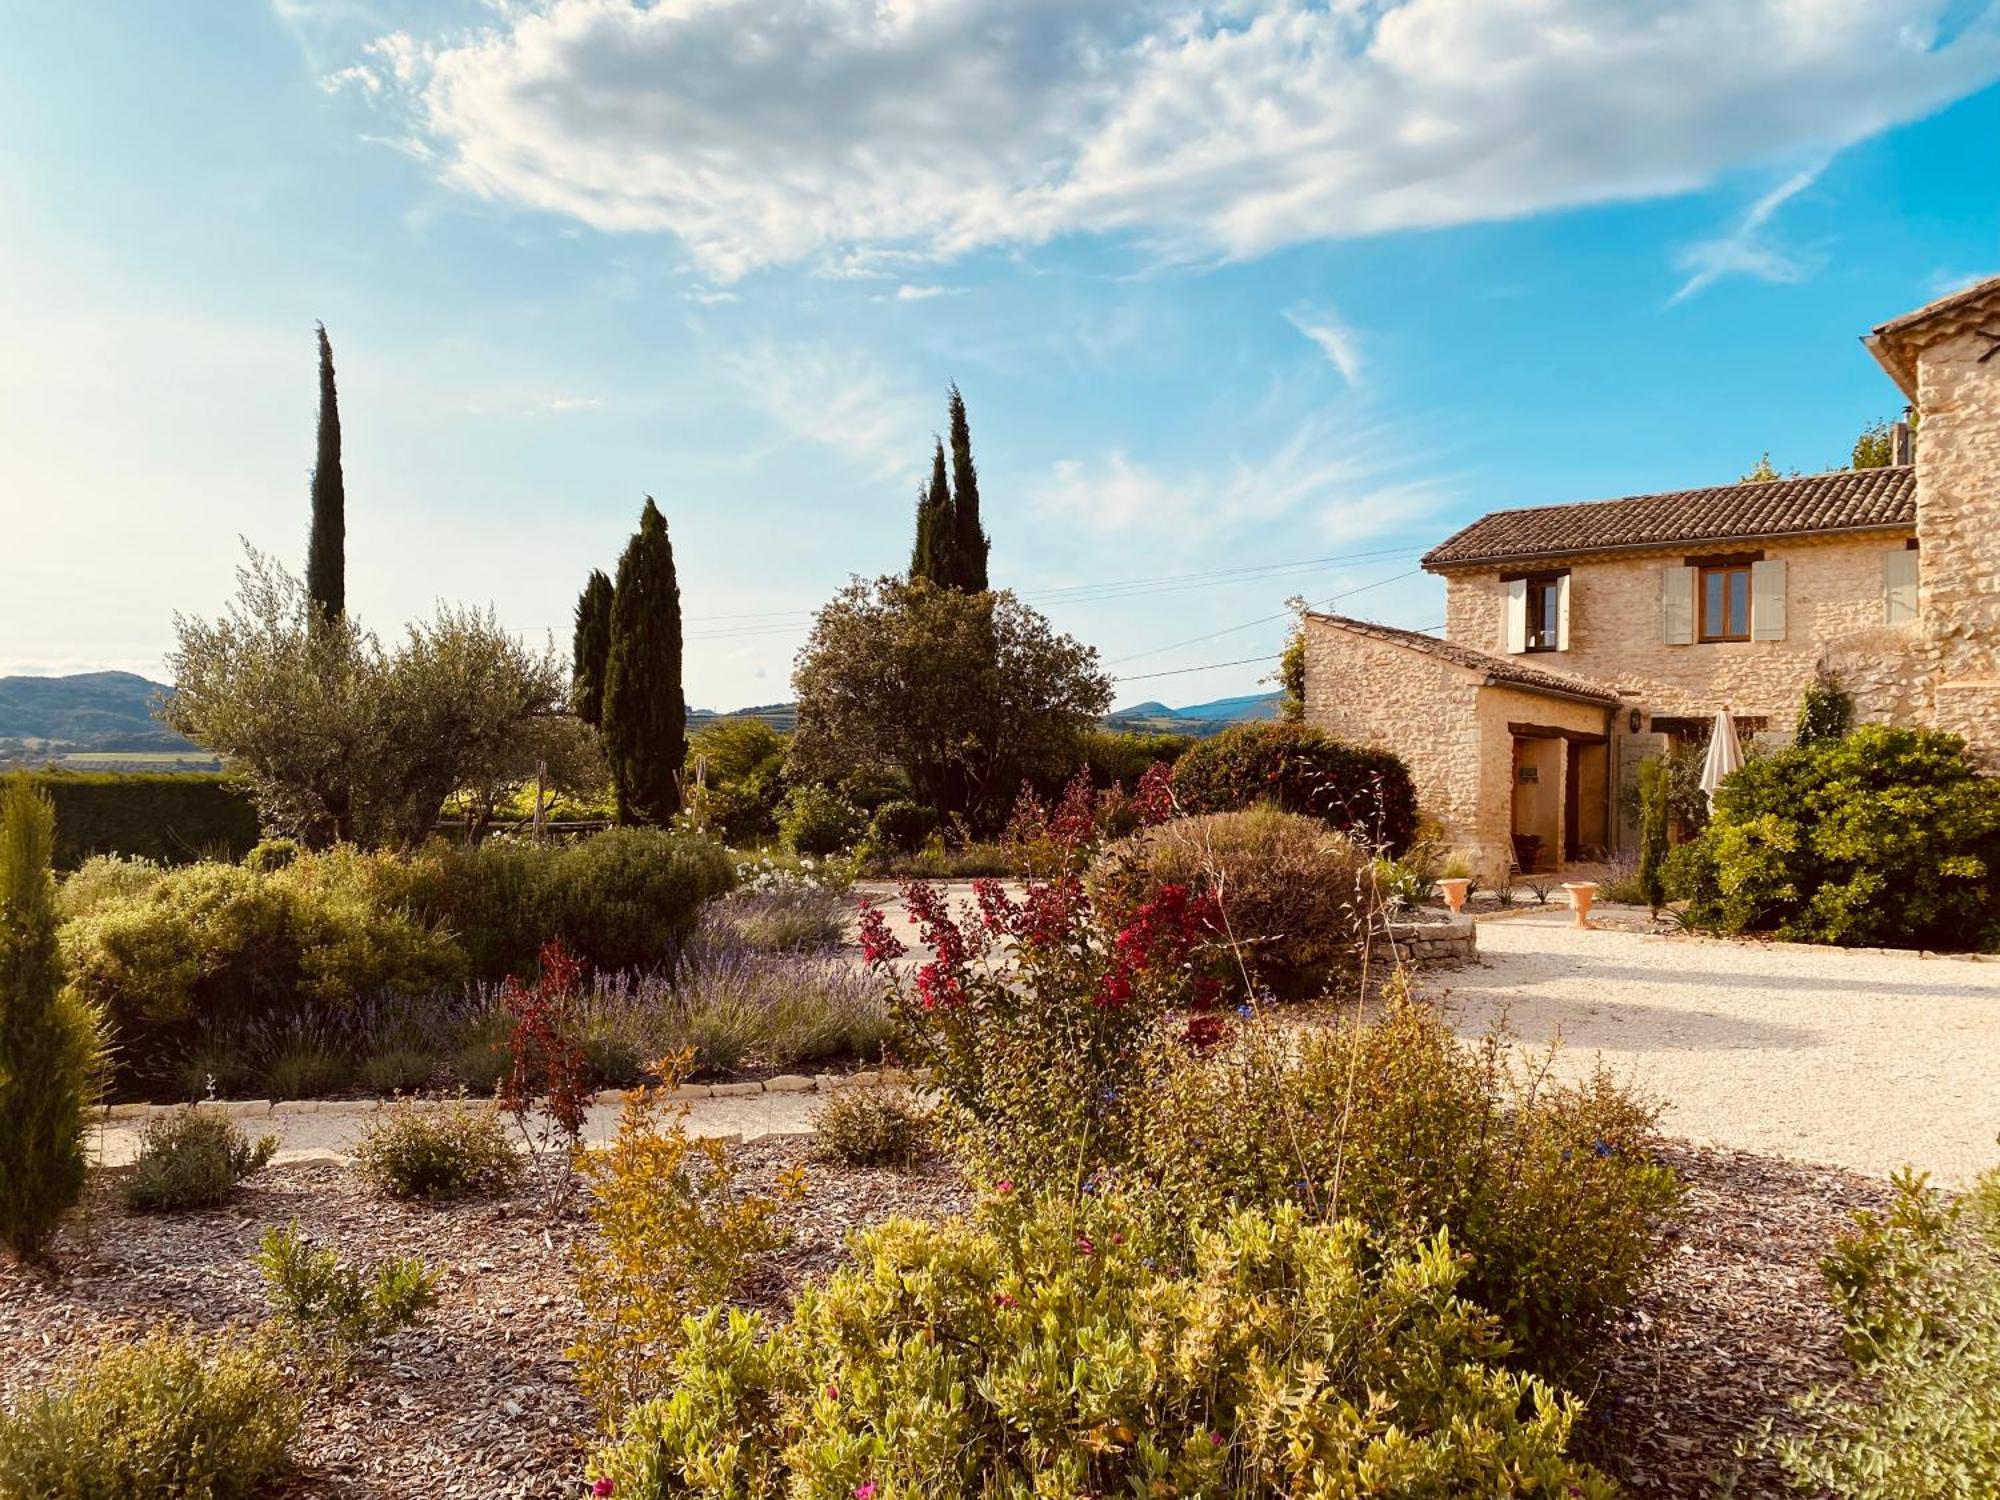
x=1195, y=640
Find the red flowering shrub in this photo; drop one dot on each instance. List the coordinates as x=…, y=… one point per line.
x=1033, y=1015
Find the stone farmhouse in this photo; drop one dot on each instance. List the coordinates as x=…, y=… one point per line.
x=1582, y=639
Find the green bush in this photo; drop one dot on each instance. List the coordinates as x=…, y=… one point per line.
x=397, y=1070
x=871, y=1127
x=627, y=897
x=817, y=820
x=456, y=1151
x=745, y=771
x=51, y=1039
x=103, y=879
x=167, y=1418
x=1364, y=793
x=900, y=827
x=1550, y=1187
x=170, y=819
x=1299, y=897
x=334, y=1303
x=1918, y=1292
x=273, y=854
x=1653, y=813
x=192, y=1158
x=1888, y=837
x=1051, y=1351
x=221, y=943
x=1826, y=712
x=1119, y=757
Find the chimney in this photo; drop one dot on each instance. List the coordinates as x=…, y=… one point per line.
x=1902, y=442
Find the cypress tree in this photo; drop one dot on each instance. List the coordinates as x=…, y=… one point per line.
x=592, y=647
x=326, y=547
x=51, y=1043
x=970, y=545
x=645, y=709
x=937, y=530
x=920, y=549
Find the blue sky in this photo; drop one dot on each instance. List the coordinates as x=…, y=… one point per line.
x=1290, y=289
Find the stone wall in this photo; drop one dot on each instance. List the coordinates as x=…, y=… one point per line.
x=1366, y=691
x=1488, y=843
x=1422, y=943
x=1833, y=589
x=1958, y=522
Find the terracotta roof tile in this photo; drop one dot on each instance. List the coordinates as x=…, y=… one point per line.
x=1507, y=671
x=1851, y=500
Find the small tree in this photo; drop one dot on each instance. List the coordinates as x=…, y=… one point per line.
x=934, y=558
x=592, y=649
x=326, y=546
x=966, y=693
x=969, y=543
x=645, y=709
x=51, y=1043
x=1654, y=797
x=1827, y=711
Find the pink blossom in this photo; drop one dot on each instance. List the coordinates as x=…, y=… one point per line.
x=865, y=1490
x=603, y=1487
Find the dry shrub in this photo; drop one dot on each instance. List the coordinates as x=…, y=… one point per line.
x=1296, y=895
x=878, y=1127
x=457, y=1151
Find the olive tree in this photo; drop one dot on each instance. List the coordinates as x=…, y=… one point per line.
x=339, y=738
x=968, y=694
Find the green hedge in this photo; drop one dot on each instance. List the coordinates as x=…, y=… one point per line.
x=1364, y=793
x=171, y=819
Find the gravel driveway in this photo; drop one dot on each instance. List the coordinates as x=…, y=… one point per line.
x=1862, y=1060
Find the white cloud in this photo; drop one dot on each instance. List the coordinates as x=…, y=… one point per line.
x=1335, y=339
x=766, y=131
x=709, y=296
x=575, y=403
x=908, y=293
x=839, y=398
x=1747, y=248
x=1343, y=481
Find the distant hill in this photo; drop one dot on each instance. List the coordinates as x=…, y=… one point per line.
x=91, y=712
x=1201, y=719
x=783, y=717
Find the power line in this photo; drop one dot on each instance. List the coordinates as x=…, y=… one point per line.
x=1242, y=661
x=1196, y=640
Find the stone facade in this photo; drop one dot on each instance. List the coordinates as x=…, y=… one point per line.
x=1456, y=730
x=1493, y=757
x=1833, y=589
x=1426, y=943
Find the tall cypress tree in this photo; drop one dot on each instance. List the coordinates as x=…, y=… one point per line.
x=970, y=545
x=51, y=1042
x=936, y=553
x=326, y=547
x=645, y=709
x=592, y=647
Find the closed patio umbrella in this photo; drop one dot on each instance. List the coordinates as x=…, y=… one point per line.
x=1725, y=754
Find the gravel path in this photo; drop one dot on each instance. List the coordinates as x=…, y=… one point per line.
x=1864, y=1060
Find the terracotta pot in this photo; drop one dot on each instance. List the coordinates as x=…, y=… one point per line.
x=1454, y=890
x=1581, y=894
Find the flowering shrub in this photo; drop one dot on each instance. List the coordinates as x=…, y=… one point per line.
x=1298, y=898
x=673, y=1236
x=1049, y=1350
x=1034, y=1021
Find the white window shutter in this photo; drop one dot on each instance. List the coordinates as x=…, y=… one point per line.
x=1767, y=600
x=1899, y=585
x=1677, y=606
x=1562, y=613
x=1517, y=615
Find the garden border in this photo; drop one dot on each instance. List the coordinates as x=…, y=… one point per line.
x=782, y=1083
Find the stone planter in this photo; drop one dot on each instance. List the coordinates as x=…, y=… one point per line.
x=1581, y=894
x=1454, y=889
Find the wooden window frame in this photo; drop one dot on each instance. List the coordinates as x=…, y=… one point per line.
x=1725, y=568
x=1547, y=582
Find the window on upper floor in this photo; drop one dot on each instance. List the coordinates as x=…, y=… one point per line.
x=1724, y=592
x=1544, y=617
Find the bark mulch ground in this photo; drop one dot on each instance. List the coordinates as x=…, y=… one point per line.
x=479, y=1400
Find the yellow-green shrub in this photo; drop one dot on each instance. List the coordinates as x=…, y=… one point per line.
x=673, y=1236
x=192, y=1158
x=170, y=1417
x=1298, y=896
x=1550, y=1187
x=1052, y=1351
